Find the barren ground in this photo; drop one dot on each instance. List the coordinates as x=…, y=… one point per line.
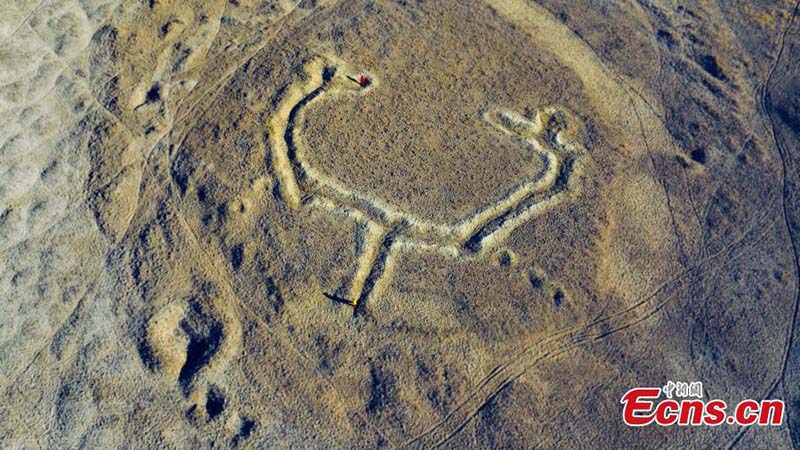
x=533, y=206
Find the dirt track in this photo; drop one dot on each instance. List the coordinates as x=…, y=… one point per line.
x=533, y=207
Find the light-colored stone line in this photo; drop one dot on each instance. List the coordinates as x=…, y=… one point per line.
x=303, y=186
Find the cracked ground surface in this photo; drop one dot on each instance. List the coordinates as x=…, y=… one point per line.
x=161, y=286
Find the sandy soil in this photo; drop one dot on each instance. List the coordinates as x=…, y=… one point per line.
x=213, y=235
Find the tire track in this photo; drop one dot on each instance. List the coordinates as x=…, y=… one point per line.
x=564, y=341
x=766, y=109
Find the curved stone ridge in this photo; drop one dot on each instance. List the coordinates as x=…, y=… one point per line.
x=387, y=228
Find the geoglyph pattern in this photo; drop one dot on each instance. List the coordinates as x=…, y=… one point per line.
x=386, y=228
x=531, y=206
